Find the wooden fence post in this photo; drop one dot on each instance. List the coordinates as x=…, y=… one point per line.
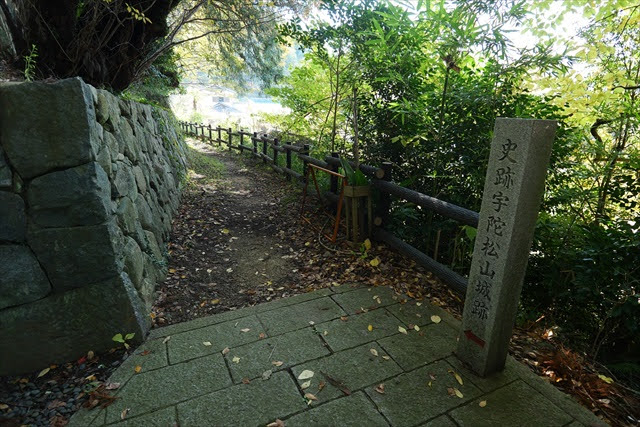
x=334, y=179
x=305, y=151
x=264, y=148
x=288, y=154
x=210, y=138
x=384, y=206
x=241, y=141
x=219, y=129
x=254, y=139
x=275, y=151
x=230, y=140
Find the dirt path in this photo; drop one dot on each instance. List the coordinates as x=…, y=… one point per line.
x=229, y=247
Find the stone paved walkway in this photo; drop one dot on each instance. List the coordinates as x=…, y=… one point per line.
x=188, y=378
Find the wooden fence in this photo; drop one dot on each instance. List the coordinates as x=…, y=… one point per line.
x=269, y=149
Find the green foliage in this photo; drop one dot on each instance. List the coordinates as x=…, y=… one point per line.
x=430, y=83
x=123, y=340
x=202, y=168
x=30, y=64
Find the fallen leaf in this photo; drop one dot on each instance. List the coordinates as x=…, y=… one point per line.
x=429, y=383
x=325, y=333
x=458, y=378
x=321, y=386
x=436, y=319
x=482, y=403
x=172, y=270
x=124, y=413
x=215, y=301
x=305, y=385
x=236, y=359
x=402, y=330
x=245, y=330
x=418, y=304
x=344, y=318
x=416, y=328
x=262, y=336
x=380, y=388
x=56, y=404
x=225, y=350
x=207, y=343
x=229, y=270
x=604, y=378
x=276, y=423
x=277, y=363
x=454, y=392
x=138, y=369
x=225, y=230
x=166, y=340
x=90, y=354
x=3, y=406
x=310, y=396
x=374, y=352
x=386, y=357
x=43, y=372
x=370, y=328
x=267, y=374
x=305, y=375
x=246, y=380
x=112, y=386
x=375, y=262
x=91, y=378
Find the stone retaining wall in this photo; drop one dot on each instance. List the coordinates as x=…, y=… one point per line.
x=88, y=187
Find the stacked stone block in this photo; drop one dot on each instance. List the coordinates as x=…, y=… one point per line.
x=89, y=184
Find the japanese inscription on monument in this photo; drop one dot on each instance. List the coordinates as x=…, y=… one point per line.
x=513, y=188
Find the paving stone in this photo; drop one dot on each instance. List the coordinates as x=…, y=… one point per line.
x=284, y=302
x=441, y=421
x=149, y=356
x=355, y=368
x=354, y=331
x=408, y=399
x=189, y=345
x=562, y=400
x=493, y=382
x=298, y=316
x=432, y=342
x=516, y=404
x=163, y=418
x=412, y=313
x=364, y=299
x=85, y=417
x=257, y=403
x=291, y=348
x=162, y=387
x=201, y=322
x=354, y=410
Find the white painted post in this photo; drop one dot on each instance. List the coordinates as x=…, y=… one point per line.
x=513, y=188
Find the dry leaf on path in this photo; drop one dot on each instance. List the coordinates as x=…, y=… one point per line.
x=276, y=423
x=380, y=388
x=375, y=262
x=124, y=413
x=245, y=330
x=44, y=372
x=267, y=374
x=112, y=386
x=138, y=369
x=455, y=392
x=386, y=357
x=305, y=375
x=436, y=319
x=370, y=328
x=402, y=330
x=482, y=403
x=246, y=380
x=235, y=359
x=166, y=340
x=206, y=343
x=416, y=328
x=225, y=350
x=310, y=396
x=277, y=363
x=305, y=385
x=374, y=351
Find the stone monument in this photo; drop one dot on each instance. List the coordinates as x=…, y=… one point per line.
x=513, y=188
